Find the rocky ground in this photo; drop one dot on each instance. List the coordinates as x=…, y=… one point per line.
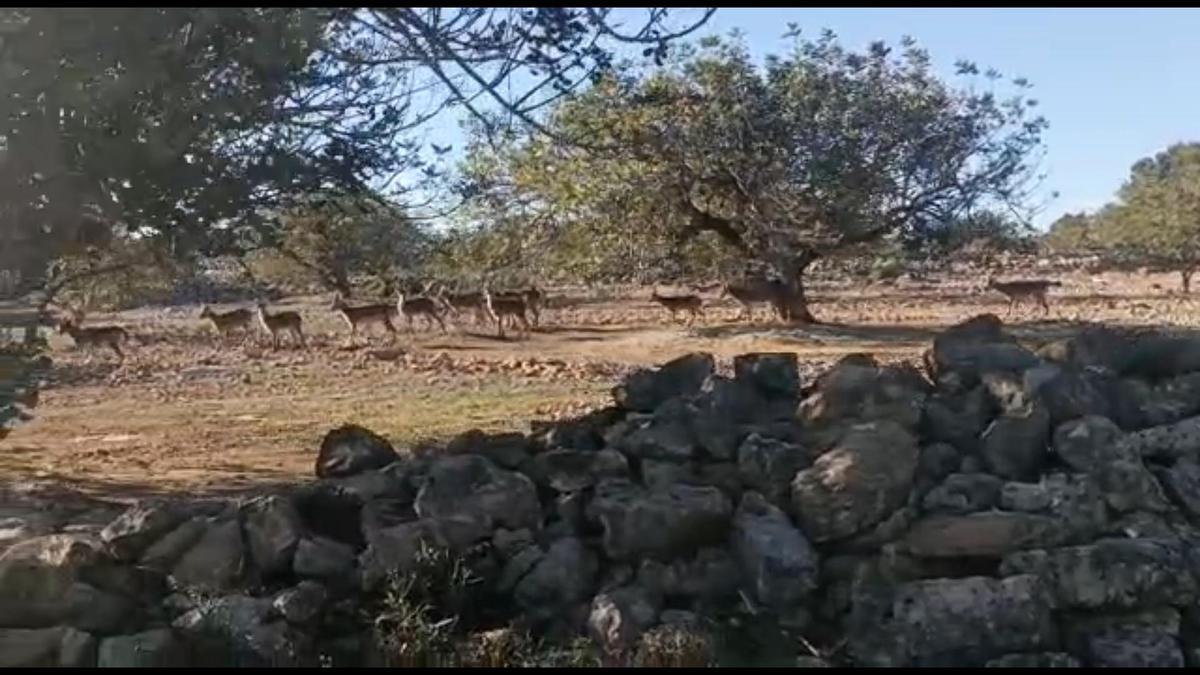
x=1000, y=498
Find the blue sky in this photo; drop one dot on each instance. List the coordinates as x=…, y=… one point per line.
x=1115, y=84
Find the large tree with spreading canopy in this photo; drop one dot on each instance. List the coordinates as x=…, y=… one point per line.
x=813, y=153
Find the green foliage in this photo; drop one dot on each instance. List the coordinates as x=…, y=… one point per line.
x=170, y=122
x=335, y=238
x=1072, y=232
x=1155, y=220
x=819, y=151
x=978, y=234
x=1158, y=215
x=126, y=273
x=417, y=622
x=185, y=124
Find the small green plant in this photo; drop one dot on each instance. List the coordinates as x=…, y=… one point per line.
x=422, y=609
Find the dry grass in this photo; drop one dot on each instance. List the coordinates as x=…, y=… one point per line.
x=188, y=413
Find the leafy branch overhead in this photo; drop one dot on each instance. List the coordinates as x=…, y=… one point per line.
x=174, y=122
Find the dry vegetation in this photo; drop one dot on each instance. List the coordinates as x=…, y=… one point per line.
x=188, y=412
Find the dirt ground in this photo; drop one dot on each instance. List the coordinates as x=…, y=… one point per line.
x=187, y=413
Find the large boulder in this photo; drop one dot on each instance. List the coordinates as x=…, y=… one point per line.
x=1098, y=348
x=1075, y=501
x=964, y=622
x=773, y=374
x=974, y=347
x=1087, y=443
x=273, y=530
x=1014, y=445
x=768, y=465
x=963, y=493
x=858, y=390
x=1129, y=486
x=302, y=603
x=584, y=432
x=1096, y=445
x=1181, y=439
x=351, y=449
x=237, y=630
x=664, y=523
x=711, y=576
x=1181, y=481
x=1117, y=573
x=989, y=534
x=60, y=580
x=216, y=562
x=665, y=435
x=471, y=488
x=391, y=549
x=155, y=648
x=1073, y=393
x=957, y=418
x=776, y=560
x=1166, y=401
x=1159, y=355
x=139, y=527
x=329, y=510
x=164, y=553
x=1144, y=639
x=396, y=481
x=59, y=647
x=935, y=463
x=858, y=483
x=506, y=450
x=573, y=470
x=560, y=579
x=644, y=390
x=516, y=566
x=723, y=411
x=322, y=558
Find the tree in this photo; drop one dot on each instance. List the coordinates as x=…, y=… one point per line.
x=816, y=153
x=1156, y=219
x=1072, y=232
x=169, y=122
x=981, y=233
x=337, y=237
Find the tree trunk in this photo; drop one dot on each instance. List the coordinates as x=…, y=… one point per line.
x=1185, y=275
x=792, y=304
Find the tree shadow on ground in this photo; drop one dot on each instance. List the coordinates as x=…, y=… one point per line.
x=66, y=489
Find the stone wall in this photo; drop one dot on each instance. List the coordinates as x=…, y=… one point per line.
x=998, y=506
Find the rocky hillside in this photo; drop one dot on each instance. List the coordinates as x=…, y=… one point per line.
x=999, y=506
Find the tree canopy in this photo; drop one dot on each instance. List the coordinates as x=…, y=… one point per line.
x=1154, y=220
x=818, y=151
x=168, y=122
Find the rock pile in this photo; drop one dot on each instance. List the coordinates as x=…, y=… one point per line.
x=1003, y=507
